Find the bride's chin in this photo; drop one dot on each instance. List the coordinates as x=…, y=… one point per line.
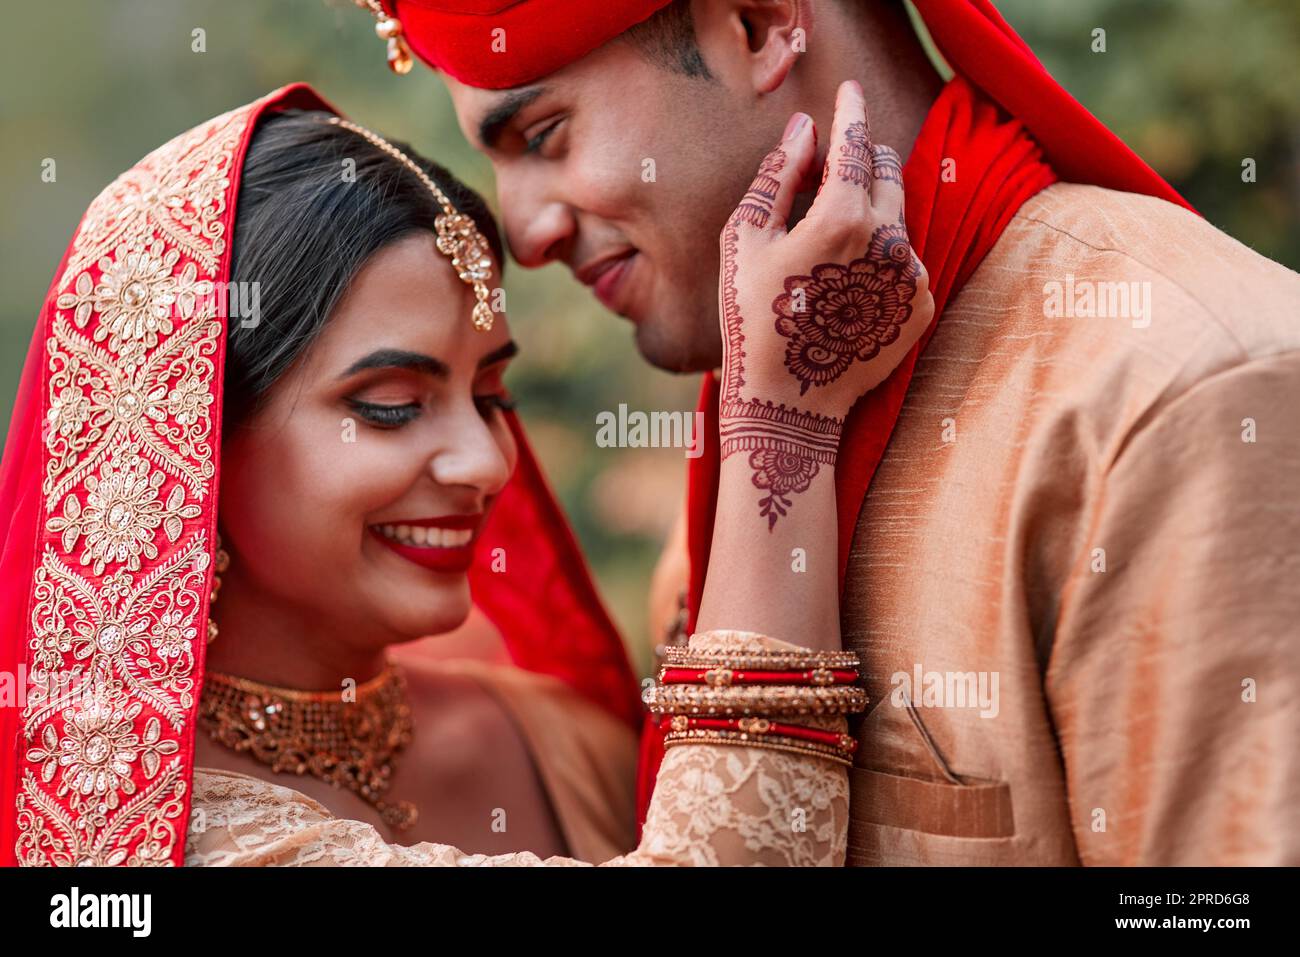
x=420, y=611
x=415, y=601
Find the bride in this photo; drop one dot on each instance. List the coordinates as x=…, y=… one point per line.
x=222, y=523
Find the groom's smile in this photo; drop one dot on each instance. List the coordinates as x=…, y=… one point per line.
x=608, y=278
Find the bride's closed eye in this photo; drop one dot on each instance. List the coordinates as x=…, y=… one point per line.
x=394, y=416
x=490, y=404
x=386, y=416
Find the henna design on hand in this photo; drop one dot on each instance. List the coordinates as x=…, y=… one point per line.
x=786, y=446
x=756, y=206
x=842, y=314
x=855, y=155
x=886, y=165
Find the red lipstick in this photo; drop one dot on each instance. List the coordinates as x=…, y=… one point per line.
x=426, y=550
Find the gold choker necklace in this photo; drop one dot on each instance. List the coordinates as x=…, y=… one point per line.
x=349, y=743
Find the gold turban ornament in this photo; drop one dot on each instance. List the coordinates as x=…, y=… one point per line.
x=390, y=29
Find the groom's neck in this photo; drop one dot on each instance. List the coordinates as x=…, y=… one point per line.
x=878, y=47
x=881, y=51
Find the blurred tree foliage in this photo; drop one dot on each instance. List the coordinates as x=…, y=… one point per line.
x=1194, y=85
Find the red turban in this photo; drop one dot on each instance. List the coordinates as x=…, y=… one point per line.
x=495, y=44
x=459, y=38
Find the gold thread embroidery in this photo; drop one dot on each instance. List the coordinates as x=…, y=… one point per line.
x=138, y=634
x=122, y=513
x=160, y=405
x=130, y=374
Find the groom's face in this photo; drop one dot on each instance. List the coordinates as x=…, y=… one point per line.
x=625, y=172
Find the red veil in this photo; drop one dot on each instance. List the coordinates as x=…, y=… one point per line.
x=105, y=412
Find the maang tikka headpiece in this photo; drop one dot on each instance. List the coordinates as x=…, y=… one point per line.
x=458, y=236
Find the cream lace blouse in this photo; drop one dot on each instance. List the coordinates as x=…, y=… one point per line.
x=712, y=805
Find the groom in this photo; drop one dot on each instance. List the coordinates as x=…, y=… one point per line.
x=1070, y=535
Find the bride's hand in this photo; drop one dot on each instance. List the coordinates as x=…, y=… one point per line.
x=814, y=317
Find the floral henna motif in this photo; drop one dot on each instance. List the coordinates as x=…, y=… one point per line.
x=780, y=473
x=786, y=445
x=855, y=155
x=890, y=245
x=842, y=314
x=756, y=207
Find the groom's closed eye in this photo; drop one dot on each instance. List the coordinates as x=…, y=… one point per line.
x=536, y=136
x=497, y=120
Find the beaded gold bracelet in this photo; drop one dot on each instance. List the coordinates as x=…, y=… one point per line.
x=774, y=660
x=770, y=742
x=764, y=700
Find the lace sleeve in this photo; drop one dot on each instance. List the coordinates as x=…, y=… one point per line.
x=738, y=805
x=712, y=805
x=243, y=821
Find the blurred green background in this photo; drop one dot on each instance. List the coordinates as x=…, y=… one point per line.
x=1194, y=85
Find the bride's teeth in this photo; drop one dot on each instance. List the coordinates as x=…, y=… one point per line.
x=421, y=536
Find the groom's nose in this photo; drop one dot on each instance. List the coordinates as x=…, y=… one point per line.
x=539, y=229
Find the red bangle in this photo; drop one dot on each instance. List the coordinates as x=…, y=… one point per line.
x=761, y=726
x=724, y=677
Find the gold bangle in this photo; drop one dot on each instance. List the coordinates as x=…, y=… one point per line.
x=763, y=700
x=724, y=677
x=684, y=657
x=770, y=742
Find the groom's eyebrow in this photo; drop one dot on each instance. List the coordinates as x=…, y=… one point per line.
x=498, y=118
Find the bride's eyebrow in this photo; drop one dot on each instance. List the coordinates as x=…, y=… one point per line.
x=498, y=118
x=399, y=359
x=508, y=351
x=419, y=362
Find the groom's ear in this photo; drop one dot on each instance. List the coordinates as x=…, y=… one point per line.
x=753, y=41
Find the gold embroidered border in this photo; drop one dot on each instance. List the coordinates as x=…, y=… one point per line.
x=118, y=603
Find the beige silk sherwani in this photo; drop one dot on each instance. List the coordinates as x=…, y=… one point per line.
x=1105, y=512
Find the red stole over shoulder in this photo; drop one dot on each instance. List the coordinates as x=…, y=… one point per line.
x=971, y=169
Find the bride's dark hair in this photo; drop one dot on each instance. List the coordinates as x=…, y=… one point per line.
x=306, y=222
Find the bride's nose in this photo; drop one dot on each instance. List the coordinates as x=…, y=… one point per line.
x=474, y=454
